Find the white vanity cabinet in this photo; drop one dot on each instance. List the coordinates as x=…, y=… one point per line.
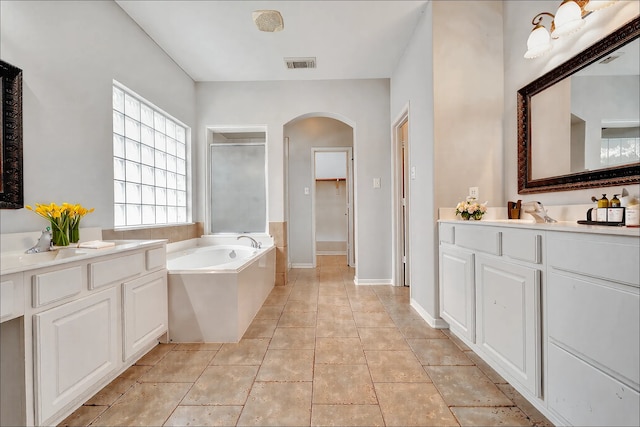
x=593, y=329
x=84, y=320
x=557, y=312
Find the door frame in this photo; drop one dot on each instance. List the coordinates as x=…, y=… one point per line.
x=350, y=213
x=400, y=237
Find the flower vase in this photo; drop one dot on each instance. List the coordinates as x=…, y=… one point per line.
x=60, y=235
x=74, y=232
x=465, y=215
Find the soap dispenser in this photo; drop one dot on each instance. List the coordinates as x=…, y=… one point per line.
x=615, y=202
x=604, y=202
x=603, y=205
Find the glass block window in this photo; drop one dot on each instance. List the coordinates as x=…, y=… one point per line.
x=149, y=163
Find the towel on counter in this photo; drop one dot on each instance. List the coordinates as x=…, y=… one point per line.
x=96, y=244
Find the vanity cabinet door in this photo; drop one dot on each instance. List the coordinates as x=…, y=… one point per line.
x=508, y=316
x=76, y=345
x=457, y=291
x=145, y=312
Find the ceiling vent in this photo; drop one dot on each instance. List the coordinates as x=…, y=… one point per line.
x=300, y=62
x=610, y=58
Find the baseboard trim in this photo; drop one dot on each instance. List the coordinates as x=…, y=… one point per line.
x=433, y=322
x=369, y=282
x=331, y=253
x=302, y=265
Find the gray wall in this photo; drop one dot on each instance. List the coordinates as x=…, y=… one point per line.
x=70, y=51
x=303, y=135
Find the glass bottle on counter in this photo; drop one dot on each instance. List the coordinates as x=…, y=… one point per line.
x=615, y=202
x=604, y=202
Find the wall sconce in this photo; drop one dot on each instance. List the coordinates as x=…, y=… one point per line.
x=568, y=19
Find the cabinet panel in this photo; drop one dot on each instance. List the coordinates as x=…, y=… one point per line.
x=447, y=233
x=608, y=338
x=483, y=239
x=75, y=346
x=56, y=285
x=585, y=396
x=523, y=245
x=145, y=310
x=103, y=273
x=11, y=297
x=457, y=290
x=155, y=258
x=508, y=316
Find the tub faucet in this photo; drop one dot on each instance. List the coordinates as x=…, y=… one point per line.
x=537, y=211
x=254, y=243
x=44, y=243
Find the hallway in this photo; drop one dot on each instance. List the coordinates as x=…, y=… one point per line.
x=321, y=351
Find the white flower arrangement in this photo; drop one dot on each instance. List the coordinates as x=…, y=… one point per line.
x=470, y=208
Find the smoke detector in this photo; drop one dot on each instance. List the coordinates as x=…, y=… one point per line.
x=300, y=62
x=268, y=21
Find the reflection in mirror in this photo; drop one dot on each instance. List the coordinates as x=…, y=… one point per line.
x=590, y=120
x=579, y=124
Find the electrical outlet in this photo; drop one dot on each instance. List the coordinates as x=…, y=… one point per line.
x=473, y=192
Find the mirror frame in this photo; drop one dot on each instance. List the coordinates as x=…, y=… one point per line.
x=618, y=175
x=11, y=186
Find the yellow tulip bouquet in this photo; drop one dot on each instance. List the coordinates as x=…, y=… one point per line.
x=64, y=220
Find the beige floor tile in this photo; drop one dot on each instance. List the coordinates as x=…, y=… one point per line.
x=466, y=386
x=111, y=392
x=334, y=300
x=276, y=299
x=204, y=416
x=373, y=320
x=525, y=406
x=336, y=328
x=489, y=416
x=382, y=339
x=278, y=404
x=156, y=353
x=493, y=376
x=438, y=352
x=134, y=372
x=366, y=305
x=345, y=351
x=346, y=415
x=269, y=312
x=343, y=385
x=246, y=352
x=395, y=366
x=294, y=319
x=293, y=338
x=300, y=306
x=83, y=416
x=287, y=365
x=178, y=367
x=146, y=404
x=413, y=404
x=222, y=385
x=417, y=329
x=198, y=346
x=457, y=341
x=261, y=328
x=334, y=312
x=337, y=290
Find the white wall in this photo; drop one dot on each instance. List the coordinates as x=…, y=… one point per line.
x=412, y=85
x=363, y=104
x=519, y=72
x=70, y=51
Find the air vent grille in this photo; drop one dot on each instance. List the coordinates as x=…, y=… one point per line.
x=294, y=63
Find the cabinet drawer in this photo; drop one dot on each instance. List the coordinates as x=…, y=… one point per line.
x=599, y=322
x=115, y=270
x=523, y=245
x=483, y=239
x=613, y=258
x=11, y=297
x=56, y=285
x=447, y=233
x=585, y=396
x=155, y=258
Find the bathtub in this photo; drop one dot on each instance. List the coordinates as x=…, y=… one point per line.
x=215, y=290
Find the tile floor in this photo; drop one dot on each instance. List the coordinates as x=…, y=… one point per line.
x=321, y=352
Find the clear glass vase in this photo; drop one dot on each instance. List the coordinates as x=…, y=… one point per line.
x=60, y=234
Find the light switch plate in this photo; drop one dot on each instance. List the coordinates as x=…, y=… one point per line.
x=376, y=182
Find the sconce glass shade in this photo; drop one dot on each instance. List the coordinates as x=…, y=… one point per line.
x=568, y=19
x=598, y=4
x=538, y=43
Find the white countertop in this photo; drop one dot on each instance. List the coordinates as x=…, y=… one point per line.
x=570, y=226
x=18, y=261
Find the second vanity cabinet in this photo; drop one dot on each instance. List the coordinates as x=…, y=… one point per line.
x=554, y=309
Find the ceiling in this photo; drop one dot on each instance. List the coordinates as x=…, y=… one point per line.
x=218, y=41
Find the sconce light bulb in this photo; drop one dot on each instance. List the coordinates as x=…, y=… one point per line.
x=538, y=43
x=594, y=5
x=568, y=19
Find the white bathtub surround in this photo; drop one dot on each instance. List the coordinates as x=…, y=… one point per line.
x=209, y=303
